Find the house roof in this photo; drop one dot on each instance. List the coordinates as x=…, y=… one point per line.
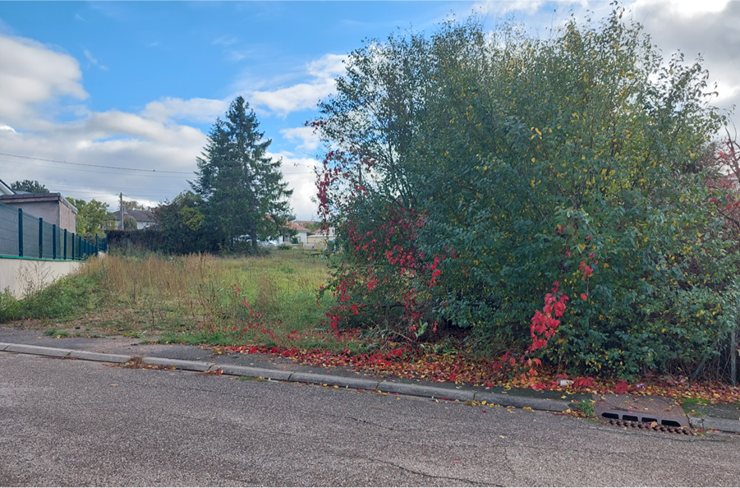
x=297, y=227
x=5, y=189
x=137, y=215
x=37, y=198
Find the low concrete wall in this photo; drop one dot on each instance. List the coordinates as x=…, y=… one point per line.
x=23, y=276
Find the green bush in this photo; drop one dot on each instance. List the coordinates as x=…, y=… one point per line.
x=580, y=159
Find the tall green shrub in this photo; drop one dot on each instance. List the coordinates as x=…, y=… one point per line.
x=576, y=159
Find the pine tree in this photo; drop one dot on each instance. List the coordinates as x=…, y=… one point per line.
x=243, y=188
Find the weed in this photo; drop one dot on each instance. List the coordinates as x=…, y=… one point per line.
x=584, y=407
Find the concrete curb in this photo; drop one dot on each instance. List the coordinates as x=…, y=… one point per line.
x=504, y=400
x=716, y=423
x=329, y=380
x=521, y=402
x=426, y=391
x=179, y=364
x=38, y=350
x=270, y=374
x=100, y=357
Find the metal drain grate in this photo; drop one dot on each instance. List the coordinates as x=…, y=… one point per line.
x=658, y=411
x=649, y=427
x=642, y=419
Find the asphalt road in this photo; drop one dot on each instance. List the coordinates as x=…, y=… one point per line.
x=67, y=422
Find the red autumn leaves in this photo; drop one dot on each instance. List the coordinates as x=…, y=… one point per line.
x=544, y=325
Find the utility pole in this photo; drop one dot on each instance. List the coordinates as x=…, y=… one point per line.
x=120, y=196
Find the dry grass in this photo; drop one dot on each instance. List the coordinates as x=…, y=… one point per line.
x=201, y=299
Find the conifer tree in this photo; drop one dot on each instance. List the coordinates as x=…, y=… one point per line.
x=242, y=187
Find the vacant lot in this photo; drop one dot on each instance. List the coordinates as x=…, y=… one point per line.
x=193, y=299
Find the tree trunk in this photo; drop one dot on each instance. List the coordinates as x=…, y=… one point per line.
x=253, y=235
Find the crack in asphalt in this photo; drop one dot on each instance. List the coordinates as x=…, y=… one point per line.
x=507, y=463
x=368, y=422
x=419, y=473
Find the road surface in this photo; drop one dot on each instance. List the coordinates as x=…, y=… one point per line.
x=68, y=422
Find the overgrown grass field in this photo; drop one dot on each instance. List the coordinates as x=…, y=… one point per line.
x=192, y=299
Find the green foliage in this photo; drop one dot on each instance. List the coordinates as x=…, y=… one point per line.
x=508, y=163
x=132, y=205
x=129, y=223
x=30, y=186
x=183, y=225
x=65, y=298
x=242, y=188
x=92, y=217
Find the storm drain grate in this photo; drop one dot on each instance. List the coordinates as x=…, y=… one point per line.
x=641, y=418
x=657, y=412
x=649, y=427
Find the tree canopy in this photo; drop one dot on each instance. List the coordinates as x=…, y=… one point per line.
x=30, y=186
x=92, y=217
x=477, y=176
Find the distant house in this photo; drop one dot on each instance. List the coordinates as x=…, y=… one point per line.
x=301, y=234
x=52, y=207
x=321, y=238
x=144, y=218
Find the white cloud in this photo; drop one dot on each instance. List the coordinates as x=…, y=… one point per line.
x=299, y=174
x=685, y=9
x=308, y=137
x=297, y=97
x=193, y=109
x=529, y=7
x=328, y=66
x=302, y=96
x=30, y=73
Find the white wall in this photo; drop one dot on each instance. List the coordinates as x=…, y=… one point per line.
x=21, y=276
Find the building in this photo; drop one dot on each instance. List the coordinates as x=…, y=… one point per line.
x=144, y=218
x=301, y=235
x=52, y=207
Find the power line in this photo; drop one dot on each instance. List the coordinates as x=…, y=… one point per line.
x=96, y=165
x=99, y=172
x=88, y=188
x=306, y=171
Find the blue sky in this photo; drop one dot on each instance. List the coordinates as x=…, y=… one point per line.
x=138, y=85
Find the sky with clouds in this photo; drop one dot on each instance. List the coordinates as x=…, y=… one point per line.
x=99, y=98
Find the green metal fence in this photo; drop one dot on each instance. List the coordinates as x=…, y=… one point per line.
x=26, y=236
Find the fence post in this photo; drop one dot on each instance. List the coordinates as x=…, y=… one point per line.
x=20, y=232
x=41, y=238
x=96, y=244
x=65, y=244
x=53, y=241
x=73, y=246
